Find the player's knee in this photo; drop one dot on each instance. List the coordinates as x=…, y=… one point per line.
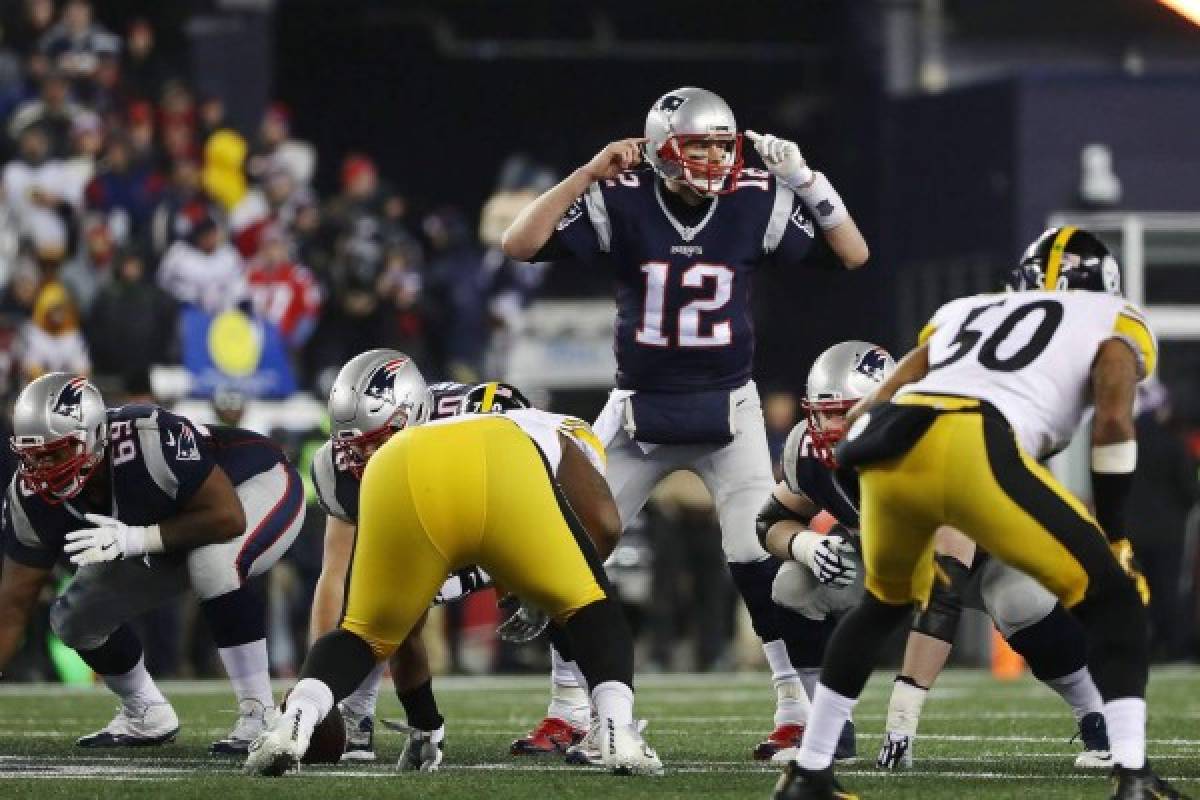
x=70, y=623
x=1014, y=611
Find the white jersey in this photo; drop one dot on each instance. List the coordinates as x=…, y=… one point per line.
x=1030, y=355
x=544, y=427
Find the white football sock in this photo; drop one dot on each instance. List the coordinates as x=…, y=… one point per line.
x=904, y=709
x=1079, y=691
x=614, y=700
x=246, y=666
x=563, y=672
x=568, y=692
x=135, y=688
x=809, y=676
x=791, y=700
x=362, y=701
x=830, y=712
x=1126, y=722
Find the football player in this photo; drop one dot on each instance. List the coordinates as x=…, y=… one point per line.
x=821, y=578
x=145, y=504
x=373, y=396
x=521, y=494
x=953, y=437
x=681, y=224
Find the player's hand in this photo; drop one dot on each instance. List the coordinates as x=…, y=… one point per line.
x=524, y=625
x=782, y=158
x=110, y=540
x=1123, y=550
x=615, y=158
x=831, y=558
x=460, y=584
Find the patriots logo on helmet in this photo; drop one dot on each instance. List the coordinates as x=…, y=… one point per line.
x=873, y=364
x=382, y=383
x=671, y=102
x=69, y=402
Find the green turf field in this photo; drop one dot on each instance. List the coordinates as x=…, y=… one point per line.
x=979, y=739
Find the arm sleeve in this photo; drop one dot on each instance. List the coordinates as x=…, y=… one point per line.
x=790, y=233
x=183, y=458
x=324, y=478
x=585, y=230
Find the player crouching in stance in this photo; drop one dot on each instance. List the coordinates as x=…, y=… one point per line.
x=146, y=504
x=953, y=437
x=518, y=494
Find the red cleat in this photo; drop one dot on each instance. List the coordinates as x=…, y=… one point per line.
x=552, y=735
x=781, y=738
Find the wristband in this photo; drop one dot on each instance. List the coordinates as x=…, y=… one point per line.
x=823, y=201
x=1116, y=458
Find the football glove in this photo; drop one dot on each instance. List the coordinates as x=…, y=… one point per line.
x=782, y=158
x=111, y=539
x=831, y=558
x=524, y=625
x=1123, y=550
x=460, y=584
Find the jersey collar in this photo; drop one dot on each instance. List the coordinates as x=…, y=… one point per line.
x=686, y=233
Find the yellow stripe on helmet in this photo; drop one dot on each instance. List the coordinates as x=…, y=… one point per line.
x=489, y=396
x=1054, y=260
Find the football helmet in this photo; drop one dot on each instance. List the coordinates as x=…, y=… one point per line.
x=839, y=378
x=687, y=115
x=1066, y=258
x=374, y=395
x=60, y=433
x=493, y=397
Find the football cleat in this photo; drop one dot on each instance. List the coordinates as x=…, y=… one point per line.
x=136, y=727
x=552, y=735
x=424, y=750
x=251, y=723
x=281, y=746
x=1142, y=784
x=783, y=737
x=1094, y=735
x=360, y=737
x=896, y=752
x=586, y=752
x=623, y=751
x=847, y=744
x=797, y=783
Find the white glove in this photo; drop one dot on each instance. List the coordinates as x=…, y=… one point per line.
x=831, y=558
x=782, y=158
x=111, y=539
x=524, y=625
x=460, y=584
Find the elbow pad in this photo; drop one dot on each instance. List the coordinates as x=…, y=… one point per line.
x=774, y=511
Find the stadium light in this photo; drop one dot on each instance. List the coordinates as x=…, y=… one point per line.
x=1188, y=9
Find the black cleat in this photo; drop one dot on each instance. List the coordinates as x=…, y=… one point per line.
x=1142, y=784
x=797, y=783
x=847, y=744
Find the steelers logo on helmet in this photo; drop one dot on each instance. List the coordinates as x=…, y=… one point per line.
x=493, y=397
x=1066, y=258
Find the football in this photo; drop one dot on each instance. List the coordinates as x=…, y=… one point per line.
x=328, y=740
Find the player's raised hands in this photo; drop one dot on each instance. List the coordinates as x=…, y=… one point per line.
x=615, y=158
x=782, y=158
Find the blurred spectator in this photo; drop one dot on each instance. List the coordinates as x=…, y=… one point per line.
x=143, y=148
x=1164, y=491
x=92, y=266
x=223, y=179
x=177, y=120
x=131, y=326
x=779, y=412
x=276, y=149
x=182, y=201
x=203, y=269
x=26, y=24
x=87, y=142
x=124, y=191
x=37, y=187
x=18, y=297
x=210, y=118
x=276, y=204
x=53, y=110
x=229, y=406
x=12, y=80
x=401, y=285
x=143, y=69
x=74, y=45
x=457, y=287
x=359, y=196
x=52, y=341
x=283, y=292
x=310, y=235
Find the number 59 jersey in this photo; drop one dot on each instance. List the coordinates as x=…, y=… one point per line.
x=1030, y=355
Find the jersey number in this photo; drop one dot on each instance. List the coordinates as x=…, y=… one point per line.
x=989, y=353
x=688, y=334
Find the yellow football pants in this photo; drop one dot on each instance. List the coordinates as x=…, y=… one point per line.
x=438, y=498
x=968, y=471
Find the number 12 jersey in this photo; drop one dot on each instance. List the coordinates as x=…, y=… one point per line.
x=1030, y=355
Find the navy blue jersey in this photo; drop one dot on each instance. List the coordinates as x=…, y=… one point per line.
x=156, y=461
x=683, y=291
x=337, y=488
x=836, y=491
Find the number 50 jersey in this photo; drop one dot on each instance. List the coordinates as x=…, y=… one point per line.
x=1030, y=355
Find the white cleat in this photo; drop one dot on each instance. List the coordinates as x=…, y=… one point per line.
x=251, y=723
x=136, y=727
x=625, y=752
x=1094, y=759
x=282, y=745
x=360, y=736
x=423, y=752
x=896, y=752
x=586, y=753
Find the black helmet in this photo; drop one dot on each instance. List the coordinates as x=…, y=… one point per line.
x=1066, y=258
x=493, y=397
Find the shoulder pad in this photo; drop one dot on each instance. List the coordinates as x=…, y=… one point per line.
x=324, y=478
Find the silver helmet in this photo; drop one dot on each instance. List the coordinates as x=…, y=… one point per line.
x=60, y=431
x=687, y=115
x=374, y=395
x=839, y=378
